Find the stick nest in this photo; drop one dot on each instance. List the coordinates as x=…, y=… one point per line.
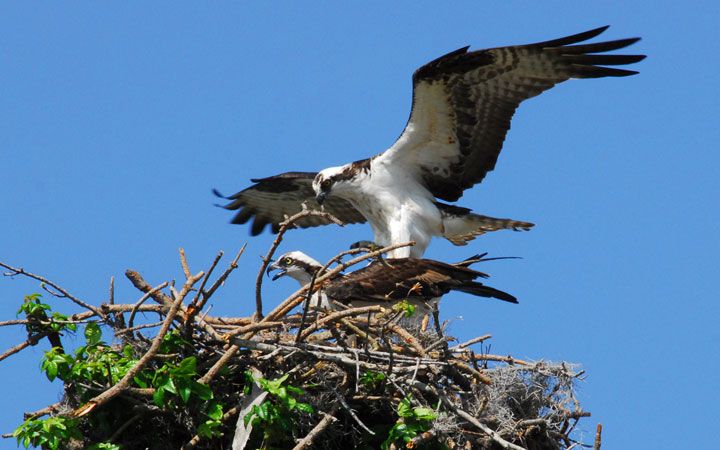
x=364, y=372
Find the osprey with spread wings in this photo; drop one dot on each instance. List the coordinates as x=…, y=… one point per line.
x=462, y=106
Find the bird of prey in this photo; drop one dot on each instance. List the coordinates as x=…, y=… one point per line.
x=461, y=110
x=419, y=281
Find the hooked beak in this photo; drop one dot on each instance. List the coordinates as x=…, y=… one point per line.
x=274, y=266
x=320, y=198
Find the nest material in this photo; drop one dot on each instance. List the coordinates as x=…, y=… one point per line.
x=480, y=400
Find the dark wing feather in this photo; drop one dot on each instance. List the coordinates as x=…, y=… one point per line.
x=271, y=199
x=396, y=279
x=463, y=103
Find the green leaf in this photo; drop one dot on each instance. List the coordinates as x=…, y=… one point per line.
x=215, y=411
x=184, y=393
x=249, y=416
x=186, y=368
x=203, y=391
x=104, y=446
x=51, y=369
x=93, y=334
x=159, y=397
x=404, y=408
x=291, y=403
x=169, y=386
x=304, y=407
x=139, y=381
x=295, y=390
x=422, y=413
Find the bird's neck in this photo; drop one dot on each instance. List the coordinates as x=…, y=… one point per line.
x=303, y=277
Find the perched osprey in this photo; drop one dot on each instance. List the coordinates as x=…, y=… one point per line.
x=462, y=106
x=420, y=281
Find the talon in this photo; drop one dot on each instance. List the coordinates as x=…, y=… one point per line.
x=369, y=245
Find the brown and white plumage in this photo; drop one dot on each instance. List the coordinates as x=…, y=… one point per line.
x=389, y=280
x=271, y=199
x=463, y=103
x=396, y=279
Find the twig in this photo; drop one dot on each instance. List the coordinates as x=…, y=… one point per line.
x=307, y=441
x=421, y=438
x=475, y=373
x=184, y=263
x=598, y=437
x=138, y=327
x=485, y=429
x=330, y=318
x=219, y=364
x=196, y=304
x=472, y=341
x=252, y=327
x=221, y=279
x=505, y=359
x=42, y=412
x=407, y=337
x=63, y=292
x=350, y=411
x=145, y=296
x=306, y=306
x=23, y=345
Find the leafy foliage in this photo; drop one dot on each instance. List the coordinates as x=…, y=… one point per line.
x=104, y=446
x=101, y=365
x=53, y=432
x=92, y=363
x=372, y=380
x=412, y=422
x=407, y=308
x=38, y=319
x=275, y=415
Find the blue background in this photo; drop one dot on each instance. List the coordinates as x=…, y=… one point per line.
x=117, y=120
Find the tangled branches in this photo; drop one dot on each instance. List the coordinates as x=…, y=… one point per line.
x=352, y=377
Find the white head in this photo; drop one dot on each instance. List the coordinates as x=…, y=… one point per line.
x=297, y=265
x=339, y=180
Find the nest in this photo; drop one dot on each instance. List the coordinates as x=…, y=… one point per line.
x=359, y=374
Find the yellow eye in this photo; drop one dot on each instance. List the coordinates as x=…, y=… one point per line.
x=288, y=261
x=325, y=185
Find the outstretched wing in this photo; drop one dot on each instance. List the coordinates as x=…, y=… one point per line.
x=271, y=199
x=463, y=103
x=396, y=279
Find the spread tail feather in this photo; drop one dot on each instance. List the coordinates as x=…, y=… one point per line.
x=461, y=225
x=479, y=289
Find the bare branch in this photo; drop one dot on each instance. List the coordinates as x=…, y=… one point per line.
x=145, y=296
x=62, y=292
x=308, y=440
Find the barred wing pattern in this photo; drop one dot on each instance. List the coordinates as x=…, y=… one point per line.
x=271, y=199
x=463, y=103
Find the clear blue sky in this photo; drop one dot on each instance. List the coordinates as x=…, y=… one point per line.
x=117, y=119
